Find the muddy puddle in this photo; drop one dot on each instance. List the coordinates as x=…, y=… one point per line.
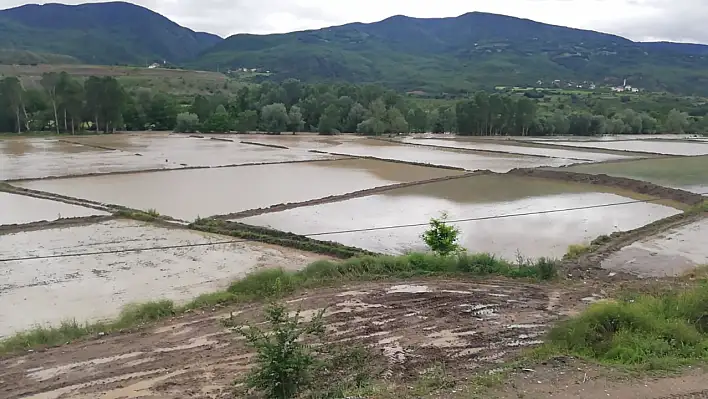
x=688, y=173
x=669, y=253
x=655, y=146
x=94, y=287
x=572, y=156
x=465, y=325
x=19, y=209
x=187, y=194
x=365, y=147
x=546, y=234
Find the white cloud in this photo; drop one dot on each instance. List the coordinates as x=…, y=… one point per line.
x=677, y=20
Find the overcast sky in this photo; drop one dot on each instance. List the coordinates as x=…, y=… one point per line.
x=674, y=20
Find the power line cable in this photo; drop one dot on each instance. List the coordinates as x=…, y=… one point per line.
x=392, y=227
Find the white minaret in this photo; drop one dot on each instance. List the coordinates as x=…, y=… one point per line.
x=625, y=83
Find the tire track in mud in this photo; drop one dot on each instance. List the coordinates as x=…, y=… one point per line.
x=412, y=326
x=341, y=197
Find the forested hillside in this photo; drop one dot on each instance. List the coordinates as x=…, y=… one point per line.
x=101, y=33
x=475, y=50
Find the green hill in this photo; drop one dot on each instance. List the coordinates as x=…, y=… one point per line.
x=475, y=50
x=100, y=33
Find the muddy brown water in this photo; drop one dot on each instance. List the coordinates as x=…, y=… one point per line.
x=657, y=147
x=437, y=156
x=687, y=173
x=95, y=287
x=19, y=209
x=575, y=156
x=545, y=234
x=669, y=253
x=187, y=194
x=27, y=158
x=413, y=325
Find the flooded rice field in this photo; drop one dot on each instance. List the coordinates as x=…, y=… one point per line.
x=499, y=146
x=19, y=209
x=654, y=146
x=31, y=158
x=687, y=173
x=95, y=287
x=411, y=325
x=544, y=234
x=669, y=253
x=363, y=147
x=187, y=194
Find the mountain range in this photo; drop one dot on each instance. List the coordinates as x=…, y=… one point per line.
x=474, y=50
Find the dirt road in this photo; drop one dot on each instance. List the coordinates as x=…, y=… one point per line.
x=413, y=324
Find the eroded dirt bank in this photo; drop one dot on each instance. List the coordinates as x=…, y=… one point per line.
x=471, y=325
x=637, y=186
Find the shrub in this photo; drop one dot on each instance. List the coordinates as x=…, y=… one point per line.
x=575, y=251
x=187, y=123
x=283, y=365
x=440, y=237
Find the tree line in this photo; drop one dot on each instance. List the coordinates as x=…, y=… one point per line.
x=65, y=104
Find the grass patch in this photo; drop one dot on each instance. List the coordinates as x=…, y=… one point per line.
x=575, y=251
x=650, y=332
x=150, y=215
x=132, y=316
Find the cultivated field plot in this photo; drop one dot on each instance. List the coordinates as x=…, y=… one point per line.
x=187, y=194
x=363, y=147
x=665, y=147
x=94, y=287
x=413, y=326
x=33, y=158
x=687, y=173
x=482, y=145
x=485, y=196
x=19, y=209
x=669, y=253
x=184, y=150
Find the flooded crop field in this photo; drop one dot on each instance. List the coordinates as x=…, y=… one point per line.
x=32, y=158
x=664, y=147
x=188, y=194
x=19, y=209
x=536, y=235
x=488, y=145
x=688, y=173
x=363, y=147
x=83, y=264
x=97, y=286
x=669, y=253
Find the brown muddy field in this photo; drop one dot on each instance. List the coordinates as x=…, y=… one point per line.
x=584, y=155
x=121, y=266
x=19, y=209
x=188, y=194
x=668, y=253
x=489, y=197
x=363, y=147
x=671, y=147
x=32, y=158
x=413, y=325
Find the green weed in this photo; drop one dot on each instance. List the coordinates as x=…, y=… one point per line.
x=649, y=331
x=575, y=251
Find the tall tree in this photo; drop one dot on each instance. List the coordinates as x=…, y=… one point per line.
x=274, y=118
x=11, y=90
x=51, y=83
